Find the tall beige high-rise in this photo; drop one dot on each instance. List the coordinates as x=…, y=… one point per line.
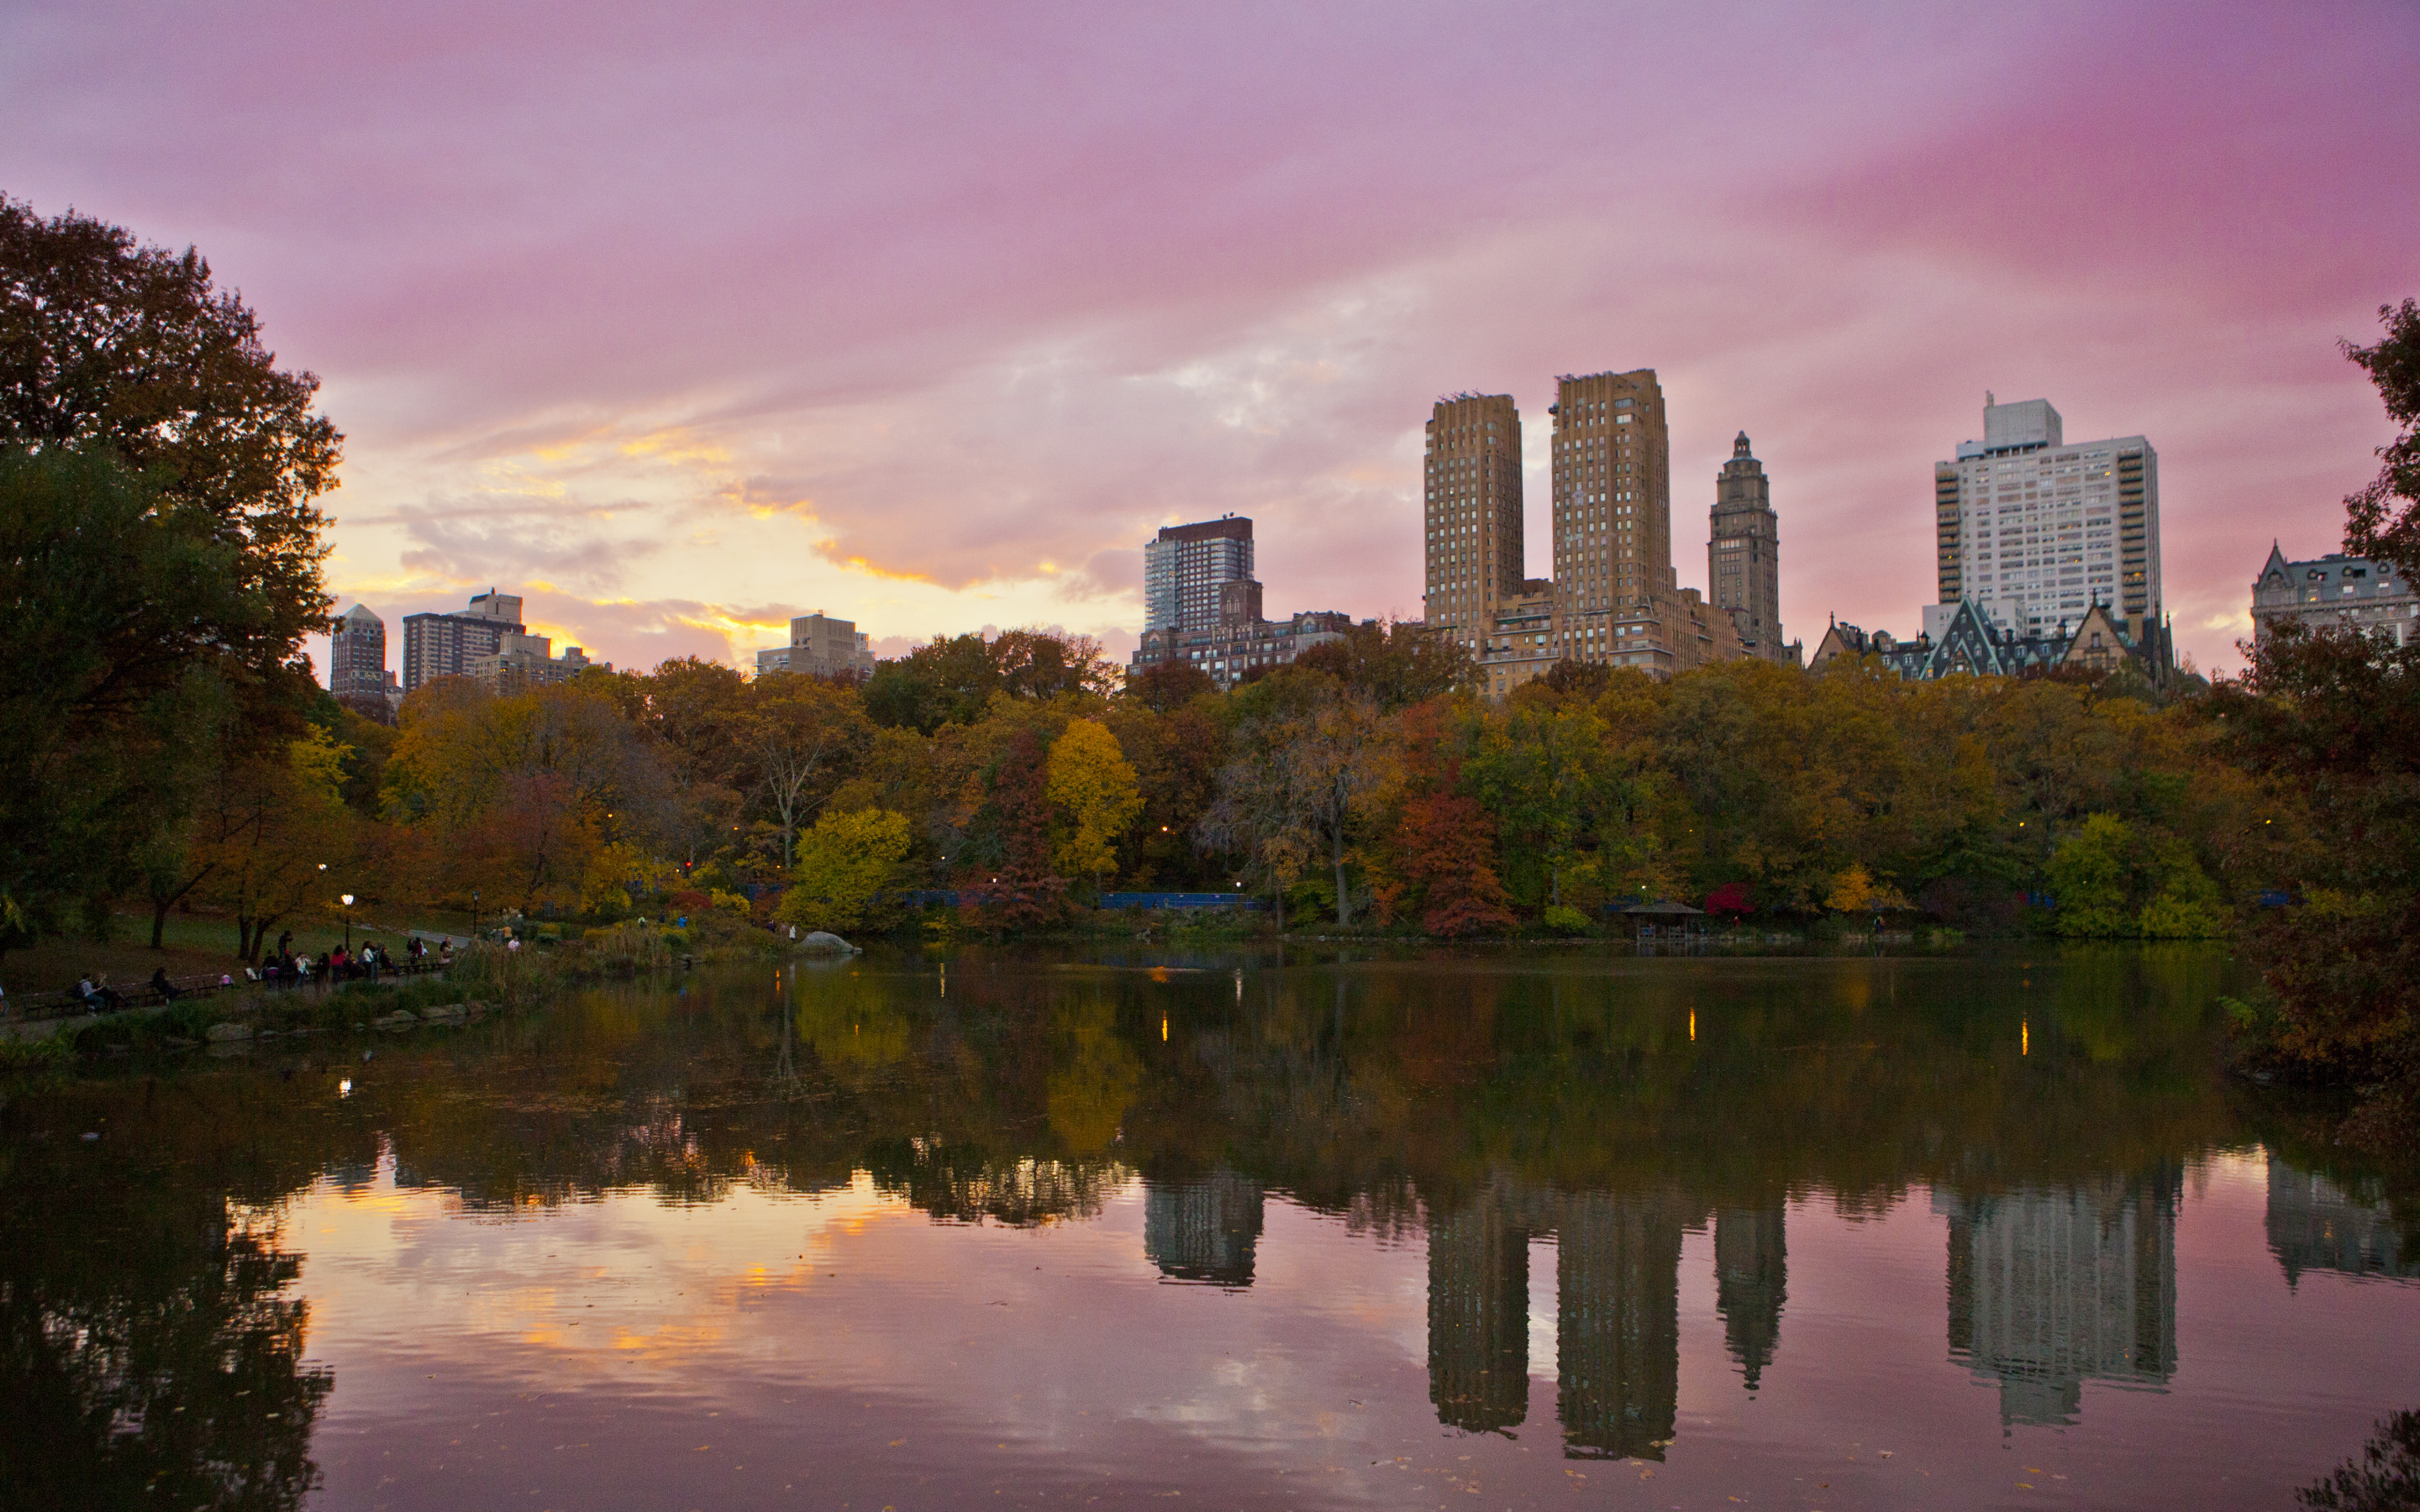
x=1613, y=599
x=1613, y=492
x=1473, y=481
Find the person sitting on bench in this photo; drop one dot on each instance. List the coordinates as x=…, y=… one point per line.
x=94, y=995
x=162, y=987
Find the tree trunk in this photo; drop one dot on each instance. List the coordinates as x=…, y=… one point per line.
x=1343, y=898
x=160, y=907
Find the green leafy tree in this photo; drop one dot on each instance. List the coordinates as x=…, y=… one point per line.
x=129, y=628
x=132, y=350
x=846, y=865
x=2382, y=521
x=952, y=681
x=2091, y=878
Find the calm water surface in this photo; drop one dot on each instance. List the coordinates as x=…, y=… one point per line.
x=1219, y=1230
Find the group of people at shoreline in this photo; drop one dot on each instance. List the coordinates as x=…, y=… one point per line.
x=280, y=967
x=284, y=968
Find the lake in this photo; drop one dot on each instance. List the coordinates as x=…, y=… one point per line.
x=1241, y=1227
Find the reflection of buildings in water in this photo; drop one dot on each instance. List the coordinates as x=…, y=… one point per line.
x=1751, y=1273
x=2316, y=1225
x=1205, y=1229
x=2049, y=1289
x=1479, y=1318
x=1617, y=1324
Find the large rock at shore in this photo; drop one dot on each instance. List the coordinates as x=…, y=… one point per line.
x=402, y=1018
x=220, y=1032
x=446, y=1013
x=824, y=942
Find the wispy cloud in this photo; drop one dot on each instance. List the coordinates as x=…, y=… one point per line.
x=931, y=318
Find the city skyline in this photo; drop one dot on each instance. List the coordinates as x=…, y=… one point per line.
x=935, y=328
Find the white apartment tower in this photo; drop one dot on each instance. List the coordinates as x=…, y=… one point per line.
x=2035, y=530
x=1185, y=570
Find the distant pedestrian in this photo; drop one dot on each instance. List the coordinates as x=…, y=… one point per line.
x=445, y=952
x=285, y=941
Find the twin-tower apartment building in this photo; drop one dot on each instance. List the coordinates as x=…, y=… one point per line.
x=1613, y=598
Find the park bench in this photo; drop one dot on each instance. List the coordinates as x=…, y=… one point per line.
x=62, y=1002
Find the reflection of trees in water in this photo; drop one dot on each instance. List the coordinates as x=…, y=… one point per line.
x=1573, y=1097
x=151, y=1342
x=957, y=1184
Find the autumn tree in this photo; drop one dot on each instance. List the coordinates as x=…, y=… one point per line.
x=802, y=735
x=1165, y=687
x=278, y=840
x=1394, y=664
x=1445, y=847
x=522, y=790
x=1302, y=766
x=1004, y=862
x=1435, y=837
x=846, y=864
x=1176, y=757
x=1095, y=798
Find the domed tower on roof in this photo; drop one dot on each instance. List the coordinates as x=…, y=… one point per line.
x=1743, y=553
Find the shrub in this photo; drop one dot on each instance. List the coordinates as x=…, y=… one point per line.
x=1565, y=919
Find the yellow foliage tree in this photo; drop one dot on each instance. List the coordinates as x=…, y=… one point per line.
x=1856, y=891
x=845, y=863
x=1093, y=797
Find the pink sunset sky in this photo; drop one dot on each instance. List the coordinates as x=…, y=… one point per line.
x=682, y=320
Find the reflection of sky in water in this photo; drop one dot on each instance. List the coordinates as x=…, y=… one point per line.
x=828, y=1239
x=843, y=1349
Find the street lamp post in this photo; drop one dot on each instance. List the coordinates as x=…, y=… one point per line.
x=347, y=901
x=474, y=916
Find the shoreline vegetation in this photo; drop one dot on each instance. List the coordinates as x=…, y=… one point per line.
x=166, y=749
